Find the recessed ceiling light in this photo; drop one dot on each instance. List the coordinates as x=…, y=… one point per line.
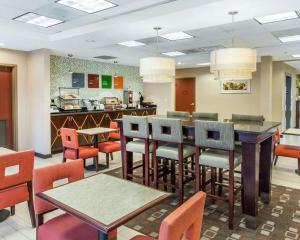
x=38, y=20
x=176, y=36
x=89, y=6
x=203, y=64
x=90, y=40
x=179, y=63
x=293, y=38
x=296, y=55
x=132, y=44
x=277, y=17
x=173, y=54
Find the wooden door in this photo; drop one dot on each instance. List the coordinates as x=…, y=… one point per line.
x=6, y=109
x=185, y=94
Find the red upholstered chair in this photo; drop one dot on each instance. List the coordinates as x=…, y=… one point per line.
x=64, y=226
x=111, y=146
x=72, y=150
x=284, y=151
x=17, y=187
x=184, y=223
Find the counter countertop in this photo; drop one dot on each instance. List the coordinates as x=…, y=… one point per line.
x=97, y=111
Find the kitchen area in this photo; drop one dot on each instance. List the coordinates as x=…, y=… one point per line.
x=89, y=94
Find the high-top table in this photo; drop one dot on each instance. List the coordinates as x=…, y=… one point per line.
x=4, y=214
x=103, y=201
x=257, y=153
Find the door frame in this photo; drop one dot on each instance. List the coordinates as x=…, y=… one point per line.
x=284, y=101
x=14, y=102
x=195, y=94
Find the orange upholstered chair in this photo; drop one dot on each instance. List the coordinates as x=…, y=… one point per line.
x=17, y=187
x=73, y=151
x=111, y=146
x=184, y=223
x=284, y=151
x=64, y=226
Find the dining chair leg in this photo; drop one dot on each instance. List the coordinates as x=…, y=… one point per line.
x=180, y=178
x=144, y=168
x=275, y=161
x=147, y=169
x=165, y=174
x=220, y=180
x=155, y=165
x=231, y=192
x=173, y=176
x=197, y=170
x=298, y=166
x=96, y=161
x=111, y=156
x=203, y=175
x=12, y=210
x=213, y=181
x=125, y=165
x=107, y=159
x=31, y=205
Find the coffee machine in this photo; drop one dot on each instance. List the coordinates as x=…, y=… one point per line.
x=128, y=98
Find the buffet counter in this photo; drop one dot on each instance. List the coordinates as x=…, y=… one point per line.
x=90, y=119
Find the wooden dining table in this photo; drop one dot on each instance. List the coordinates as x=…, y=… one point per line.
x=4, y=214
x=257, y=153
x=104, y=202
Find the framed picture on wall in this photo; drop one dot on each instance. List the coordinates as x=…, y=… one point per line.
x=106, y=81
x=78, y=80
x=118, y=82
x=93, y=80
x=235, y=86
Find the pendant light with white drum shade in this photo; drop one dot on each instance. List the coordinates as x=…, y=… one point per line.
x=233, y=63
x=157, y=69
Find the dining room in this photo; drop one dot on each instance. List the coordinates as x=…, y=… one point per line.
x=143, y=120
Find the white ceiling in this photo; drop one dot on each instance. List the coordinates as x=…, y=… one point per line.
x=207, y=20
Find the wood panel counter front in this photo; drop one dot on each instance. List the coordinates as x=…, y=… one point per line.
x=91, y=119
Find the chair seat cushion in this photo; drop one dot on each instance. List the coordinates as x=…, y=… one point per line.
x=138, y=146
x=115, y=135
x=14, y=195
x=109, y=147
x=170, y=151
x=66, y=227
x=218, y=159
x=84, y=153
x=140, y=237
x=284, y=151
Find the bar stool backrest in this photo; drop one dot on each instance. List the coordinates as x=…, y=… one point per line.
x=247, y=118
x=135, y=127
x=212, y=134
x=179, y=114
x=205, y=116
x=167, y=130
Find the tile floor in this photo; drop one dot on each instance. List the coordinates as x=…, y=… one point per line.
x=18, y=227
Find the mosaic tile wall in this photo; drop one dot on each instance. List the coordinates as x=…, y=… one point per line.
x=60, y=77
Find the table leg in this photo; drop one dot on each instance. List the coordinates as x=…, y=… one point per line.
x=127, y=157
x=95, y=142
x=102, y=235
x=92, y=167
x=298, y=170
x=265, y=169
x=250, y=170
x=4, y=214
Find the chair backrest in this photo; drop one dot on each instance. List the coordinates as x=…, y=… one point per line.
x=69, y=138
x=179, y=114
x=213, y=134
x=135, y=127
x=114, y=135
x=247, y=118
x=23, y=164
x=43, y=179
x=186, y=221
x=167, y=130
x=205, y=116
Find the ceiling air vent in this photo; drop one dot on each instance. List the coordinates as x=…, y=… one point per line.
x=207, y=49
x=105, y=57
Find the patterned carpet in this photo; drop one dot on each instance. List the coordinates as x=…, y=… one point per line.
x=278, y=220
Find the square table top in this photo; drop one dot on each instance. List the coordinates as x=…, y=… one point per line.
x=4, y=151
x=290, y=140
x=104, y=201
x=292, y=131
x=96, y=131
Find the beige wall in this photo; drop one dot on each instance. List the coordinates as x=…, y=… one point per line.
x=209, y=98
x=266, y=95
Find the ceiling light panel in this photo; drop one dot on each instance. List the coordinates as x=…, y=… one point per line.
x=132, y=44
x=293, y=38
x=39, y=20
x=277, y=17
x=176, y=36
x=296, y=55
x=203, y=64
x=173, y=54
x=89, y=6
